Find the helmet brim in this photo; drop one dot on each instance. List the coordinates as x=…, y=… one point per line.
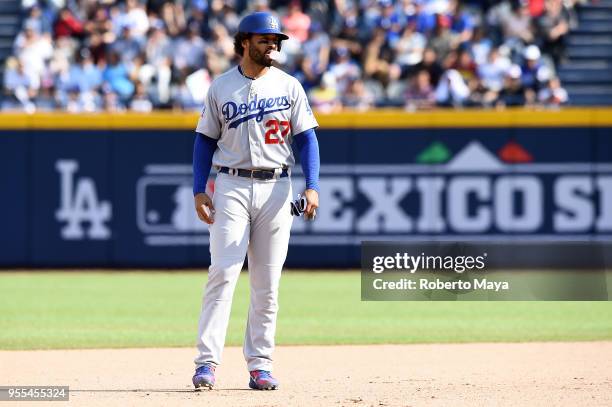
x=278, y=34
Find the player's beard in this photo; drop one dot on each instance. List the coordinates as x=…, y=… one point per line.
x=258, y=57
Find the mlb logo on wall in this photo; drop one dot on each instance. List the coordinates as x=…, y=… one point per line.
x=165, y=210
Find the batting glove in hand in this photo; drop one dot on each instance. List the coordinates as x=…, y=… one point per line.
x=298, y=207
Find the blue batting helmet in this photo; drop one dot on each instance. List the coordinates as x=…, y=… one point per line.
x=261, y=23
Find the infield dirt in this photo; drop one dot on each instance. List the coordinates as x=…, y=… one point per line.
x=509, y=374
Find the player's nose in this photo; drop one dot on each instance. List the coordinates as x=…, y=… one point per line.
x=271, y=44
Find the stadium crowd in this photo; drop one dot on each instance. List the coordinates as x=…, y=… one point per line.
x=107, y=55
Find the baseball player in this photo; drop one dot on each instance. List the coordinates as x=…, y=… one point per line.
x=251, y=116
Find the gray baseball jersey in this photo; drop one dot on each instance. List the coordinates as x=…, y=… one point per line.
x=257, y=133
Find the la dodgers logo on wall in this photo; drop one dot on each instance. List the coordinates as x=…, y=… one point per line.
x=80, y=205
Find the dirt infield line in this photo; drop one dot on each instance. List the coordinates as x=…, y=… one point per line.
x=514, y=374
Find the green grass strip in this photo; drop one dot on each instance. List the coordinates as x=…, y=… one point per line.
x=54, y=310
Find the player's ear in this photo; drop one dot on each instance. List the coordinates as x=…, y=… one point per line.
x=246, y=41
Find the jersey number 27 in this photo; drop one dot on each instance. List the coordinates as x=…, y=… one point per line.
x=273, y=127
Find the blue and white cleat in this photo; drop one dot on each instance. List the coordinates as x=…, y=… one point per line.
x=204, y=377
x=262, y=380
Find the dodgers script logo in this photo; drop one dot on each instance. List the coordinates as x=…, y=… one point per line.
x=255, y=109
x=79, y=203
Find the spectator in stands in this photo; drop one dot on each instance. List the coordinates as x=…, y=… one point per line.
x=348, y=35
x=259, y=5
x=72, y=103
x=189, y=51
x=533, y=71
x=127, y=45
x=173, y=17
x=420, y=93
x=112, y=103
x=223, y=12
x=416, y=12
x=480, y=46
x=85, y=78
x=197, y=85
x=316, y=52
x=410, y=47
x=516, y=25
x=46, y=100
x=33, y=50
x=357, y=96
x=67, y=25
x=136, y=18
x=20, y=87
x=492, y=75
x=99, y=23
x=38, y=21
x=553, y=27
x=198, y=18
x=296, y=23
x=378, y=56
x=97, y=44
x=514, y=93
x=325, y=97
x=463, y=63
x=462, y=25
x=452, y=91
x=140, y=102
x=390, y=21
x=441, y=40
x=344, y=69
x=159, y=46
x=116, y=77
x=170, y=48
x=431, y=65
x=220, y=51
x=553, y=94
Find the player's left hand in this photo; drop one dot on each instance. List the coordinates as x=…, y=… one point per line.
x=312, y=197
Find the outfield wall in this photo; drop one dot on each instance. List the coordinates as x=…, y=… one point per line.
x=115, y=190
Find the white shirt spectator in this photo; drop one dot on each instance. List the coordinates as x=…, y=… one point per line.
x=198, y=84
x=493, y=71
x=410, y=48
x=136, y=18
x=33, y=50
x=553, y=94
x=344, y=70
x=451, y=88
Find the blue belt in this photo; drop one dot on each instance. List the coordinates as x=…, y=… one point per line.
x=257, y=174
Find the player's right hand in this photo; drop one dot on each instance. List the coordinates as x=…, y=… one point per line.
x=312, y=197
x=204, y=208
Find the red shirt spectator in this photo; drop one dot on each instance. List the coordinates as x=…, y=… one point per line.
x=296, y=23
x=67, y=25
x=536, y=7
x=465, y=65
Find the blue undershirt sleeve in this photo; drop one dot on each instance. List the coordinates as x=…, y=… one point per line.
x=308, y=146
x=203, y=149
